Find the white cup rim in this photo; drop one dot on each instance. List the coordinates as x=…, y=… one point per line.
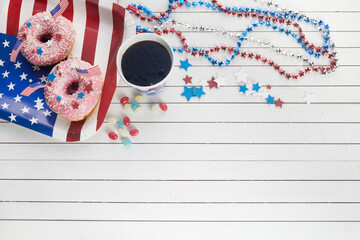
x=140, y=38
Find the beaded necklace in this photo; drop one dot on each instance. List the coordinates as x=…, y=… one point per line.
x=265, y=17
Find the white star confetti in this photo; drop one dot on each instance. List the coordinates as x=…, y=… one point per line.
x=241, y=76
x=11, y=86
x=308, y=97
x=220, y=81
x=25, y=110
x=17, y=65
x=33, y=120
x=203, y=82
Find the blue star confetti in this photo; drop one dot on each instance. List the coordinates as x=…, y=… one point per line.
x=39, y=51
x=270, y=100
x=256, y=87
x=185, y=64
x=199, y=92
x=81, y=95
x=243, y=89
x=190, y=92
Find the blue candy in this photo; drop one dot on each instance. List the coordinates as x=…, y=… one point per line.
x=121, y=123
x=127, y=142
x=134, y=105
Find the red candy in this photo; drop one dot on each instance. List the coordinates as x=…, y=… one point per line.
x=163, y=107
x=134, y=132
x=113, y=136
x=124, y=100
x=127, y=121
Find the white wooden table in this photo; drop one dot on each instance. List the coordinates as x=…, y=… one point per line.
x=225, y=167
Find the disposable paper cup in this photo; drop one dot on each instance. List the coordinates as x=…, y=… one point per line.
x=156, y=88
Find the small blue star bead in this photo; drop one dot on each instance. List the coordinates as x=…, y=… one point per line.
x=188, y=92
x=185, y=64
x=199, y=92
x=81, y=95
x=243, y=89
x=51, y=77
x=58, y=98
x=270, y=100
x=256, y=87
x=28, y=24
x=39, y=51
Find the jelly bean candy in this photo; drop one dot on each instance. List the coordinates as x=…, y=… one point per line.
x=126, y=121
x=127, y=108
x=123, y=133
x=138, y=110
x=121, y=123
x=112, y=120
x=134, y=105
x=155, y=108
x=127, y=142
x=163, y=107
x=134, y=132
x=113, y=136
x=140, y=98
x=124, y=100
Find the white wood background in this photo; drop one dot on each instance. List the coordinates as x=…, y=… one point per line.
x=226, y=167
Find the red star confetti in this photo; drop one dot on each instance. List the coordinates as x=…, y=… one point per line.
x=212, y=83
x=269, y=86
x=279, y=103
x=187, y=79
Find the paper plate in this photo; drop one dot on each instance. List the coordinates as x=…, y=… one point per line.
x=101, y=27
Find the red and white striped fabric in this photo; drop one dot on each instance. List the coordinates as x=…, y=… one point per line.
x=100, y=29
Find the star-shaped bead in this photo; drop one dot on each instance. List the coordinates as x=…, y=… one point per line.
x=187, y=79
x=212, y=83
x=25, y=110
x=256, y=87
x=6, y=43
x=243, y=89
x=5, y=105
x=75, y=105
x=88, y=88
x=241, y=76
x=11, y=86
x=28, y=24
x=12, y=117
x=58, y=37
x=39, y=104
x=185, y=64
x=2, y=62
x=23, y=76
x=51, y=76
x=33, y=120
x=58, y=98
x=36, y=68
x=49, y=43
x=81, y=95
x=279, y=103
x=5, y=74
x=17, y=65
x=47, y=113
x=220, y=81
x=43, y=79
x=39, y=51
x=17, y=98
x=270, y=100
x=188, y=92
x=199, y=92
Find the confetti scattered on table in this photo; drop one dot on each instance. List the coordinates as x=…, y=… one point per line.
x=187, y=79
x=190, y=92
x=185, y=64
x=308, y=98
x=212, y=83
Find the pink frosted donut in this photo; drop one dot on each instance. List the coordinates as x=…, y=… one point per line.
x=71, y=94
x=47, y=41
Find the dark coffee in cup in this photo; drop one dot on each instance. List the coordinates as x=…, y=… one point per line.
x=146, y=63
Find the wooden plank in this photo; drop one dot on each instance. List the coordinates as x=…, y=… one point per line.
x=55, y=230
x=180, y=212
x=181, y=191
x=305, y=5
x=184, y=152
x=180, y=170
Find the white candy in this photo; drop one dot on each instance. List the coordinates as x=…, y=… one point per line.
x=140, y=98
x=127, y=108
x=138, y=109
x=123, y=133
x=112, y=120
x=155, y=109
